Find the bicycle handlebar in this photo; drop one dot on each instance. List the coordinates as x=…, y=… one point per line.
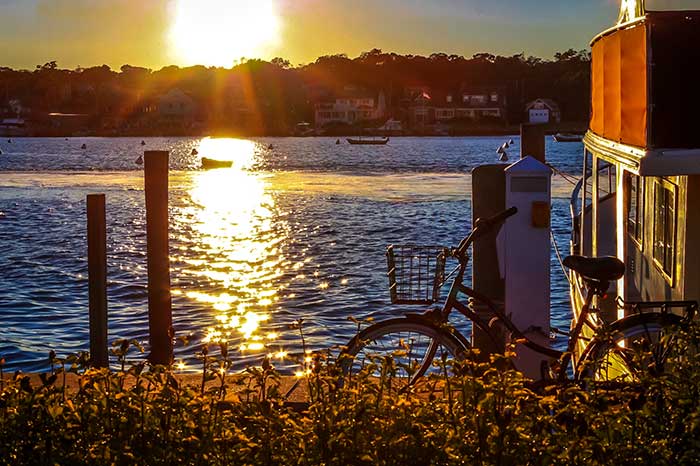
x=501, y=216
x=481, y=227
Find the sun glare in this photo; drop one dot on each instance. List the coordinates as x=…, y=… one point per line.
x=220, y=32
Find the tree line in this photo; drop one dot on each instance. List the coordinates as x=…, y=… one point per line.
x=273, y=96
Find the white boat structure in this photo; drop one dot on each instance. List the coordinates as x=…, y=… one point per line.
x=639, y=198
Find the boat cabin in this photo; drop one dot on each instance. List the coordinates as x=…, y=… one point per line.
x=639, y=198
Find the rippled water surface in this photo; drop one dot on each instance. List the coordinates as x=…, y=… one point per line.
x=296, y=229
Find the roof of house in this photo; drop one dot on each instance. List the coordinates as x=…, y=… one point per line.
x=552, y=105
x=175, y=94
x=352, y=93
x=479, y=90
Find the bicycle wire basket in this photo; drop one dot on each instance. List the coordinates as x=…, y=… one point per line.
x=416, y=273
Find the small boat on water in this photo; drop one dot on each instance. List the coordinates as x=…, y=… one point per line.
x=368, y=142
x=12, y=127
x=568, y=137
x=208, y=164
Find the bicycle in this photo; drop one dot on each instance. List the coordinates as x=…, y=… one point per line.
x=619, y=351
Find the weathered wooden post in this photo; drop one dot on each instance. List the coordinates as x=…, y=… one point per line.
x=97, y=279
x=160, y=320
x=488, y=199
x=532, y=141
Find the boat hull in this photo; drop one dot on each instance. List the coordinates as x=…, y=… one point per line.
x=209, y=164
x=568, y=137
x=368, y=142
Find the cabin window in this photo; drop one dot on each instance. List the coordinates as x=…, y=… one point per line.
x=635, y=207
x=607, y=181
x=665, y=211
x=582, y=238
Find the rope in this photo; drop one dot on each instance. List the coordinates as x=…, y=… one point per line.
x=561, y=262
x=572, y=179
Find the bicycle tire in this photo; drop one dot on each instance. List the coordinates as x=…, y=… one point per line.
x=635, y=347
x=409, y=343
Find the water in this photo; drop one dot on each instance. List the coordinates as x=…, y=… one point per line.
x=297, y=228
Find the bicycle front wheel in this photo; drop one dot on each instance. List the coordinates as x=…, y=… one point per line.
x=401, y=349
x=635, y=347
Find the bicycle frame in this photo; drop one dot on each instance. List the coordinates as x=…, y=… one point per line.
x=458, y=286
x=586, y=317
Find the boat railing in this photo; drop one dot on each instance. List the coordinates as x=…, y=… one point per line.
x=575, y=212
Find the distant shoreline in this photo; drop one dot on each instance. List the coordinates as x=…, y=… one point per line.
x=575, y=127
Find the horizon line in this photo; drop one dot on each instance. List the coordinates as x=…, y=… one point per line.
x=245, y=60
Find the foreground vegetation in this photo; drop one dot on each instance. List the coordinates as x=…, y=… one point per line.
x=482, y=415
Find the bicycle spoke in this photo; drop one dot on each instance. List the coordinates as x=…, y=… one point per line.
x=399, y=349
x=639, y=348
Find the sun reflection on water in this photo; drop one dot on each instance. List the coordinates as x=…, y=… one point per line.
x=237, y=250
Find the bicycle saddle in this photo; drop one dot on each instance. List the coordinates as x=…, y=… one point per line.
x=602, y=269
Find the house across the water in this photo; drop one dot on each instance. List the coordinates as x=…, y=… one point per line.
x=543, y=111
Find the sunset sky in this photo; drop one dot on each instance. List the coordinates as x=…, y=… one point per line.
x=155, y=33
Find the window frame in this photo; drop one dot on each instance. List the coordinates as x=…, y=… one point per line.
x=637, y=236
x=587, y=191
x=660, y=185
x=607, y=172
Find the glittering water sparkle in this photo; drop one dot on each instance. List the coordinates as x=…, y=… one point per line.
x=296, y=229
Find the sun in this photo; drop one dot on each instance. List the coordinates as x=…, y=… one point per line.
x=220, y=32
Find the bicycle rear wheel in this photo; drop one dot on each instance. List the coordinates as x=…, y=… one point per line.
x=635, y=347
x=400, y=349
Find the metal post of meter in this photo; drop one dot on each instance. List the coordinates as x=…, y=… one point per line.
x=527, y=250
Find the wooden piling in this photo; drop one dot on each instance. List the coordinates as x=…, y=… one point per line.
x=488, y=199
x=532, y=141
x=159, y=300
x=97, y=279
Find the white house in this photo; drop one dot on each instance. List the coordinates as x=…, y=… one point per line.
x=176, y=105
x=543, y=111
x=350, y=109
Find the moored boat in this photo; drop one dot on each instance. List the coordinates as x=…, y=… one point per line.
x=368, y=141
x=208, y=164
x=637, y=199
x=567, y=137
x=13, y=127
